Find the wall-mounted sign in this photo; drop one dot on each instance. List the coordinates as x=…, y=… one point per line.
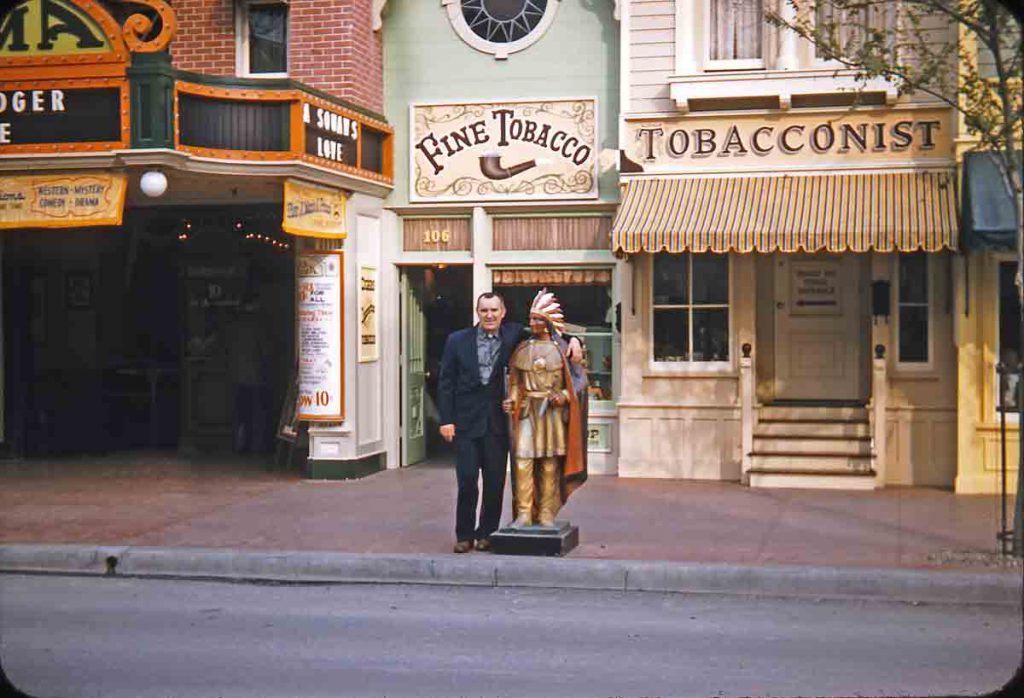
x=814, y=288
x=312, y=211
x=320, y=312
x=766, y=140
x=33, y=116
x=510, y=150
x=435, y=234
x=368, y=335
x=62, y=201
x=80, y=33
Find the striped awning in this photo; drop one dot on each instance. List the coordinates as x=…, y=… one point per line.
x=903, y=211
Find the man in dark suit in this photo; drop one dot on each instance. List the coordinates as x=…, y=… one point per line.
x=470, y=391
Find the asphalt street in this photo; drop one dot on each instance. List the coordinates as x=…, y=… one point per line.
x=77, y=636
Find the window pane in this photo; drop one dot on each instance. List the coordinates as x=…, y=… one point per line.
x=268, y=38
x=670, y=282
x=710, y=335
x=914, y=333
x=670, y=335
x=711, y=279
x=913, y=278
x=736, y=29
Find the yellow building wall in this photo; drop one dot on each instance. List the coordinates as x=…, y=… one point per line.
x=978, y=434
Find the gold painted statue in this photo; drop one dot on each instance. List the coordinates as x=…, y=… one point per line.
x=546, y=403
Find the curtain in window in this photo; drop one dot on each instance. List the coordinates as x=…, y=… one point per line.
x=736, y=30
x=268, y=38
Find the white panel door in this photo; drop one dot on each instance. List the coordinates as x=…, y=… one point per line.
x=819, y=327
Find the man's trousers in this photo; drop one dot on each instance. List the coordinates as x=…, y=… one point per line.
x=485, y=455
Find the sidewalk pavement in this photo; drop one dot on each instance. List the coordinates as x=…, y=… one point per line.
x=160, y=513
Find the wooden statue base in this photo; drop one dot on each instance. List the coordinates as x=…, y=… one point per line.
x=554, y=540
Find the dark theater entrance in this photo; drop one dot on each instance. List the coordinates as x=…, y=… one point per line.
x=139, y=337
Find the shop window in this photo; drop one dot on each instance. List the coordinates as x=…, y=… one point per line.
x=263, y=39
x=587, y=304
x=736, y=34
x=913, y=308
x=1009, y=336
x=691, y=307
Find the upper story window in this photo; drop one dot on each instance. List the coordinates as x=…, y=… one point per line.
x=263, y=39
x=847, y=26
x=501, y=27
x=736, y=34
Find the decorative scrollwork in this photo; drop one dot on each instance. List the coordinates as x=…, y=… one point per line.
x=138, y=26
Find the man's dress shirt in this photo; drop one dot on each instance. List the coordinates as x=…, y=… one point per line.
x=487, y=347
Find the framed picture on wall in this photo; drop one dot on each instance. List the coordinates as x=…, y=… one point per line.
x=78, y=290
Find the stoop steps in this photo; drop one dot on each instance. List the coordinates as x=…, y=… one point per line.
x=819, y=446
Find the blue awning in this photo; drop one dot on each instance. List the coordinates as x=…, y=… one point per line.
x=987, y=210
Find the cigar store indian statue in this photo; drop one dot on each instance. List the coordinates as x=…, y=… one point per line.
x=547, y=407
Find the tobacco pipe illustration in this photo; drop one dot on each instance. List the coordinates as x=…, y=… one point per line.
x=491, y=167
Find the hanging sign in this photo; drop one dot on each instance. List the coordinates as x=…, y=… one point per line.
x=508, y=150
x=62, y=201
x=368, y=335
x=312, y=211
x=320, y=312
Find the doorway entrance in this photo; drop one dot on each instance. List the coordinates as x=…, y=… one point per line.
x=435, y=301
x=821, y=328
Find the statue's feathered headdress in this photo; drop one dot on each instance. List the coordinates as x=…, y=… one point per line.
x=545, y=305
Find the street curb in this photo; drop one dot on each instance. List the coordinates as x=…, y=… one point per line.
x=999, y=588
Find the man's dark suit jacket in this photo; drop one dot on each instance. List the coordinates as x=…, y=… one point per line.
x=474, y=409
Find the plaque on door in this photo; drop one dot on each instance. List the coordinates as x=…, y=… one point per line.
x=815, y=288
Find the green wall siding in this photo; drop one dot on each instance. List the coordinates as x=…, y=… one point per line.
x=426, y=61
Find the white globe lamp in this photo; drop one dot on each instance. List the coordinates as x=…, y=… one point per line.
x=153, y=183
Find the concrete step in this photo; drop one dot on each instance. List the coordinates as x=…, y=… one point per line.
x=849, y=446
x=813, y=481
x=795, y=462
x=823, y=430
x=779, y=413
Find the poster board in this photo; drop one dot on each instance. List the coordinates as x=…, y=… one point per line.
x=320, y=311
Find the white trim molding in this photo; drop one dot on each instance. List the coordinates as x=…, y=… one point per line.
x=500, y=51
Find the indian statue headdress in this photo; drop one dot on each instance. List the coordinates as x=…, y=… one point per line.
x=545, y=305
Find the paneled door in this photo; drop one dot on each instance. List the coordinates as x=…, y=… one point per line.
x=413, y=359
x=820, y=329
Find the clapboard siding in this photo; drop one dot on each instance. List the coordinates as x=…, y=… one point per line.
x=652, y=54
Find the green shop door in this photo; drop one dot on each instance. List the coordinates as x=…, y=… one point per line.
x=414, y=371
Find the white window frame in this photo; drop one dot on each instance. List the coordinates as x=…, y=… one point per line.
x=683, y=368
x=1013, y=416
x=714, y=65
x=500, y=51
x=914, y=366
x=242, y=39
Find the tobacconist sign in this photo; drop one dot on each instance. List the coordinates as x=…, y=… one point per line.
x=62, y=201
x=759, y=141
x=498, y=151
x=319, y=277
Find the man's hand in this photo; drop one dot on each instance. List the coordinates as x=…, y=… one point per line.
x=558, y=399
x=447, y=432
x=575, y=351
x=506, y=405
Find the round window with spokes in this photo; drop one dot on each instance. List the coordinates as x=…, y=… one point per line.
x=501, y=27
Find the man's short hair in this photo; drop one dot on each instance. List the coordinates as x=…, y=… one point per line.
x=490, y=294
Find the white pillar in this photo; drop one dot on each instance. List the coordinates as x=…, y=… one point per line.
x=879, y=402
x=687, y=62
x=746, y=410
x=481, y=253
x=787, y=58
